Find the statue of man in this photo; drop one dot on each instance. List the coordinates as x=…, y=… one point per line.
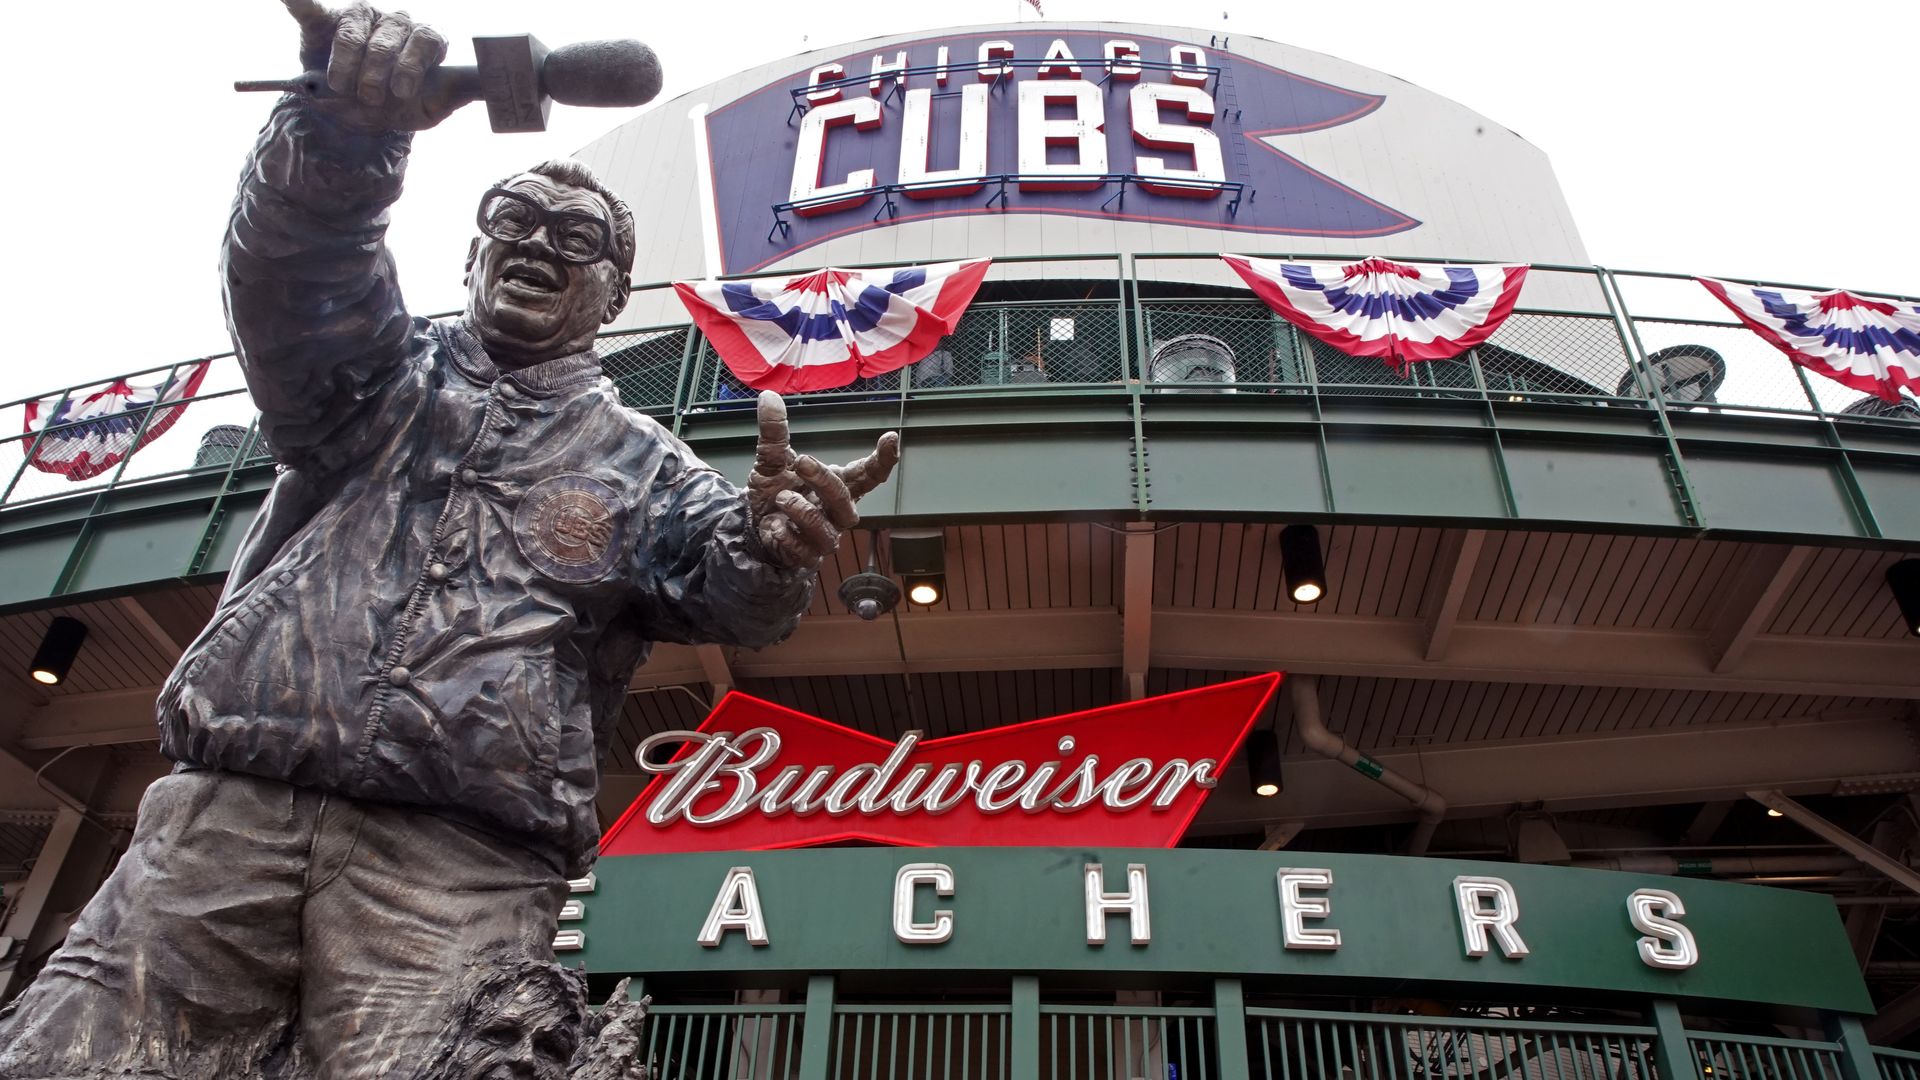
x=388, y=736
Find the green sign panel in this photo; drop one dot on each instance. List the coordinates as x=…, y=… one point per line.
x=1400, y=921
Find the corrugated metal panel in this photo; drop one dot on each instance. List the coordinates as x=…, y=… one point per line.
x=1398, y=713
x=1842, y=592
x=1380, y=570
x=1583, y=579
x=19, y=846
x=118, y=654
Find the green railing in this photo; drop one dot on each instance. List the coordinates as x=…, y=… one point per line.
x=1286, y=1044
x=1023, y=1037
x=1125, y=1041
x=1897, y=1064
x=749, y=1042
x=1582, y=338
x=1747, y=1057
x=897, y=1042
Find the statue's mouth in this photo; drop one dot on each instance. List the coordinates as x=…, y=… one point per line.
x=531, y=276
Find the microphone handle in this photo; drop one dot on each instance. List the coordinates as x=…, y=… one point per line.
x=450, y=86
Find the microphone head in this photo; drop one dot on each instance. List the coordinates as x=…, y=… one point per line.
x=607, y=74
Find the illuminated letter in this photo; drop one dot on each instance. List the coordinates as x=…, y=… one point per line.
x=940, y=68
x=969, y=174
x=1667, y=944
x=736, y=908
x=1189, y=64
x=938, y=875
x=1117, y=52
x=824, y=73
x=883, y=71
x=1083, y=131
x=1059, y=58
x=1148, y=99
x=1100, y=904
x=989, y=50
x=1295, y=909
x=810, y=155
x=1475, y=920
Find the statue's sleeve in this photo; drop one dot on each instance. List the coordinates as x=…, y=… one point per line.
x=699, y=571
x=311, y=294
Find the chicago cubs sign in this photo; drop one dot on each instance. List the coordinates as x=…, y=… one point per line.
x=1083, y=123
x=757, y=776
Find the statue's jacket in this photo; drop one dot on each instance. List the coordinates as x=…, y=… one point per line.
x=458, y=569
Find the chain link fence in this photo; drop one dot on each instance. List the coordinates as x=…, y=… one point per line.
x=645, y=365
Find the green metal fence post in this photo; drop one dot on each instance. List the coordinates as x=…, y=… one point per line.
x=1230, y=1029
x=1856, y=1053
x=1024, y=1038
x=816, y=1033
x=1672, y=1055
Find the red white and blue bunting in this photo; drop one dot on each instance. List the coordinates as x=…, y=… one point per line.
x=89, y=433
x=823, y=330
x=1866, y=342
x=1399, y=312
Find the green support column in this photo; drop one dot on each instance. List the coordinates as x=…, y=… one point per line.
x=1856, y=1053
x=1230, y=1029
x=1024, y=1040
x=1671, y=1054
x=816, y=1033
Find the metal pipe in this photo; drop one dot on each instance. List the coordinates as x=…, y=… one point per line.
x=1723, y=865
x=1304, y=693
x=1839, y=837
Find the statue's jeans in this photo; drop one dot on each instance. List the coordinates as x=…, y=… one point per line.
x=244, y=906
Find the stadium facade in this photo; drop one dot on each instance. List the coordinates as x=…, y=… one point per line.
x=1594, y=756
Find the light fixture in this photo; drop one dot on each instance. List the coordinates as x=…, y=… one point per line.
x=1302, y=565
x=1903, y=578
x=58, y=650
x=1771, y=812
x=869, y=593
x=920, y=558
x=1263, y=763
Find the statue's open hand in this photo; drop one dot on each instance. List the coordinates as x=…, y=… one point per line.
x=800, y=507
x=376, y=65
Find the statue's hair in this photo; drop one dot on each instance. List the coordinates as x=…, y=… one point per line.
x=576, y=173
x=491, y=979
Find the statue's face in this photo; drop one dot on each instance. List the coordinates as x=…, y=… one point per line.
x=525, y=1039
x=525, y=300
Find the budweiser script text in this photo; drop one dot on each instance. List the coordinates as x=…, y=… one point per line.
x=719, y=779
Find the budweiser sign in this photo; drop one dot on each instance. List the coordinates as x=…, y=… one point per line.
x=757, y=776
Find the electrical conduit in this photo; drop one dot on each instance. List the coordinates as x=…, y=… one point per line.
x=1304, y=693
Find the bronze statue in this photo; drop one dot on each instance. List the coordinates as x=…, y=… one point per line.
x=388, y=737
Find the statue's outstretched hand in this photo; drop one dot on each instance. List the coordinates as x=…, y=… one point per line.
x=800, y=507
x=376, y=65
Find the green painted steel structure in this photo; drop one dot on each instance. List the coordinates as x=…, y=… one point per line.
x=1593, y=439
x=1021, y=910
x=1018, y=945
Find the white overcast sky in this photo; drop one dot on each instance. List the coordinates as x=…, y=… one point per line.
x=1761, y=140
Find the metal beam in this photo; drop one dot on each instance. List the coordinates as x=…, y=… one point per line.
x=1896, y=1020
x=1594, y=772
x=28, y=778
x=108, y=718
x=713, y=665
x=1136, y=607
x=1833, y=834
x=1706, y=822
x=137, y=613
x=1323, y=644
x=1749, y=603
x=1453, y=564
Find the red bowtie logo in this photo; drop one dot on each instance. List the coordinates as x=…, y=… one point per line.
x=757, y=776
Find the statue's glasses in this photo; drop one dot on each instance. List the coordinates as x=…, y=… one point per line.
x=578, y=238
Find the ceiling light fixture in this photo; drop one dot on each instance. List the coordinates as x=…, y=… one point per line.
x=1263, y=763
x=1301, y=562
x=58, y=650
x=920, y=558
x=1903, y=578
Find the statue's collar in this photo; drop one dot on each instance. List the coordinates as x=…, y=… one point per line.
x=542, y=379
